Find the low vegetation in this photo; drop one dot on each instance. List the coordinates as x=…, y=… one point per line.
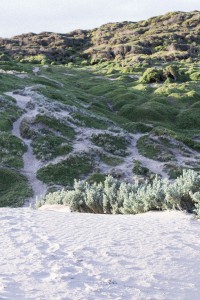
x=115, y=197
x=9, y=112
x=139, y=169
x=11, y=150
x=64, y=173
x=47, y=146
x=14, y=188
x=55, y=124
x=89, y=121
x=111, y=160
x=113, y=144
x=155, y=148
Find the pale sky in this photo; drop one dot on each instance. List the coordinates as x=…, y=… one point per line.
x=22, y=16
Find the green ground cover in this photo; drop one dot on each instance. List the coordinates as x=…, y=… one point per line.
x=14, y=188
x=11, y=150
x=64, y=173
x=47, y=146
x=116, y=145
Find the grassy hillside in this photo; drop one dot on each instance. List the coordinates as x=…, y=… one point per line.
x=164, y=38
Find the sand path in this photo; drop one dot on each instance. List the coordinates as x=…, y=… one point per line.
x=31, y=163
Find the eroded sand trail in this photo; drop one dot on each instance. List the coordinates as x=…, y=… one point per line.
x=31, y=163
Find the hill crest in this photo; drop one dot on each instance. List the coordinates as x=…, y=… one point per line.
x=173, y=36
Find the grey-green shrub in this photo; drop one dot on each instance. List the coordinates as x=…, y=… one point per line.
x=115, y=197
x=196, y=199
x=178, y=193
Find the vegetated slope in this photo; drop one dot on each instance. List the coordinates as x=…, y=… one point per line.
x=171, y=36
x=126, y=117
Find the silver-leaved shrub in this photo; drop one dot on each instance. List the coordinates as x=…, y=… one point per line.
x=115, y=197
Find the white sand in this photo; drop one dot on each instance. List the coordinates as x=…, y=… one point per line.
x=31, y=163
x=54, y=255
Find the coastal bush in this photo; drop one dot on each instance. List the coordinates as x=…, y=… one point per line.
x=9, y=112
x=149, y=148
x=96, y=177
x=111, y=160
x=173, y=170
x=139, y=169
x=152, y=75
x=195, y=76
x=47, y=146
x=11, y=150
x=14, y=188
x=196, y=199
x=89, y=121
x=189, y=119
x=115, y=197
x=56, y=125
x=26, y=131
x=113, y=144
x=170, y=73
x=64, y=173
x=135, y=127
x=141, y=113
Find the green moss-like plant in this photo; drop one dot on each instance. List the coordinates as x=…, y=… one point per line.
x=56, y=125
x=189, y=119
x=152, y=75
x=14, y=188
x=11, y=150
x=65, y=172
x=47, y=146
x=116, y=145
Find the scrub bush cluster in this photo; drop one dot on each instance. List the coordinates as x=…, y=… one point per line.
x=115, y=197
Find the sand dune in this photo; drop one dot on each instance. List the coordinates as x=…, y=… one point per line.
x=58, y=255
